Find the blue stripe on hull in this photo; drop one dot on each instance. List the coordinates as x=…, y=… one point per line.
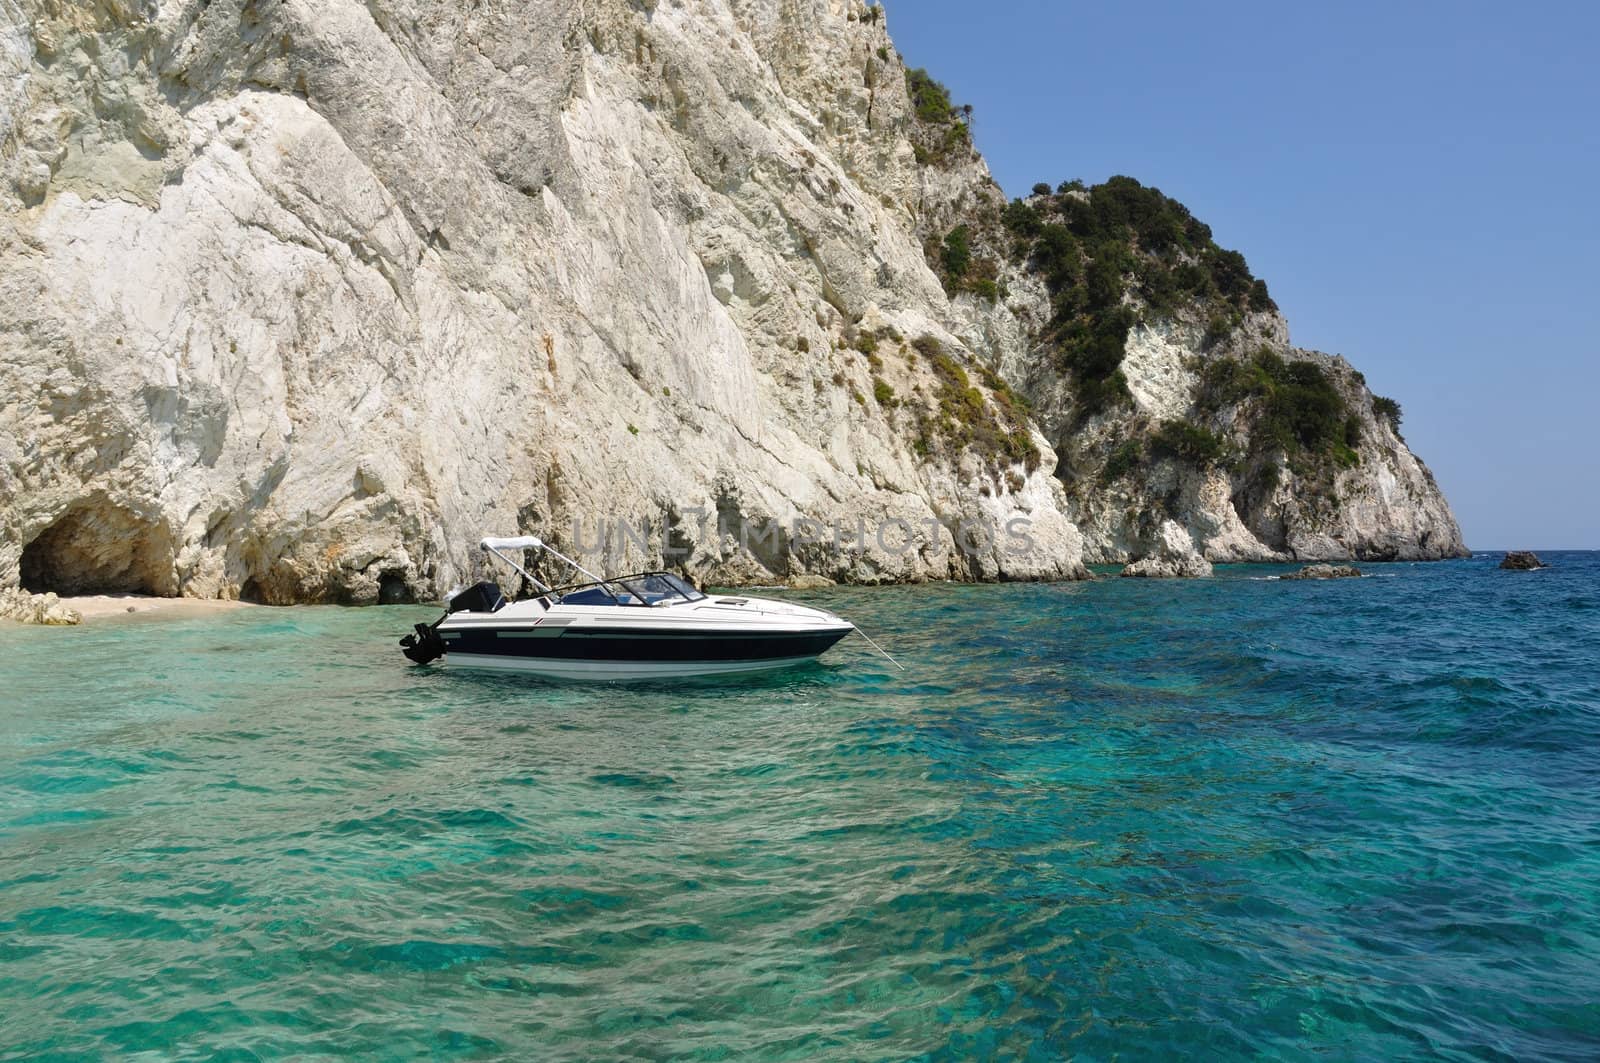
x=612, y=645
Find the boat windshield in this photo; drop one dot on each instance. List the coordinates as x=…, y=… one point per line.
x=644, y=588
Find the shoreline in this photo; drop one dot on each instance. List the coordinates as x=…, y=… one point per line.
x=93, y=607
x=100, y=608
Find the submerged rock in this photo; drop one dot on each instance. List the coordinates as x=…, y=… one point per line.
x=1522, y=561
x=1326, y=572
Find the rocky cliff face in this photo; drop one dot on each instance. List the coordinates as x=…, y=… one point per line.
x=299, y=300
x=1240, y=498
x=302, y=299
x=1163, y=373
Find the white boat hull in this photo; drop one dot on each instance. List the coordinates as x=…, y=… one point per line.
x=612, y=643
x=649, y=626
x=613, y=671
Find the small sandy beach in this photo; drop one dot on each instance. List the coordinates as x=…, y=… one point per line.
x=98, y=607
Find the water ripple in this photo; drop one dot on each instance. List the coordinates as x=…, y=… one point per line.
x=1240, y=817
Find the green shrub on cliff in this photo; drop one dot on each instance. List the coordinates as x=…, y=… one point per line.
x=1057, y=255
x=1230, y=381
x=1295, y=406
x=997, y=430
x=1125, y=457
x=943, y=128
x=1308, y=408
x=957, y=251
x=1094, y=246
x=1387, y=409
x=929, y=99
x=1021, y=219
x=961, y=271
x=1188, y=442
x=1260, y=298
x=1093, y=347
x=1090, y=350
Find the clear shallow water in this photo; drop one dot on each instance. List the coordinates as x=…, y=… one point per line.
x=1239, y=817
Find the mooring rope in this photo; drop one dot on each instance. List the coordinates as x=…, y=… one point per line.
x=879, y=648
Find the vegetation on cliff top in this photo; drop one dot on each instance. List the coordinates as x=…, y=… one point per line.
x=1387, y=409
x=943, y=128
x=1096, y=245
x=1111, y=255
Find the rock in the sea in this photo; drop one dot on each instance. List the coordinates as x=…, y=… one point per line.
x=1326, y=572
x=37, y=609
x=1174, y=558
x=1192, y=567
x=1522, y=561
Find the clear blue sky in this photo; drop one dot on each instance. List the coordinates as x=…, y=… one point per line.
x=1418, y=183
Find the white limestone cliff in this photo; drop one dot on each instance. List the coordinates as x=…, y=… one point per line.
x=297, y=301
x=302, y=299
x=1381, y=504
x=1385, y=506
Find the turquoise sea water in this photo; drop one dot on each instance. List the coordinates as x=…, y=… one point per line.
x=1138, y=820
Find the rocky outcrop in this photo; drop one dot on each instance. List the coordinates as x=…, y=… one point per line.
x=1191, y=566
x=28, y=608
x=1174, y=557
x=1325, y=572
x=1521, y=561
x=1380, y=504
x=1163, y=374
x=298, y=301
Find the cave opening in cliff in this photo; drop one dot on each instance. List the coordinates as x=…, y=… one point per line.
x=98, y=547
x=393, y=590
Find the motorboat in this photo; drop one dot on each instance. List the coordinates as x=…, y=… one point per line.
x=647, y=625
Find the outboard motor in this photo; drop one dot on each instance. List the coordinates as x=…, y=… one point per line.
x=426, y=645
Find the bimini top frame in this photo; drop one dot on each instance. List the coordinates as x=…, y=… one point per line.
x=653, y=586
x=532, y=542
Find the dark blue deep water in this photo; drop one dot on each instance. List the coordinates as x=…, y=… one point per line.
x=1235, y=818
